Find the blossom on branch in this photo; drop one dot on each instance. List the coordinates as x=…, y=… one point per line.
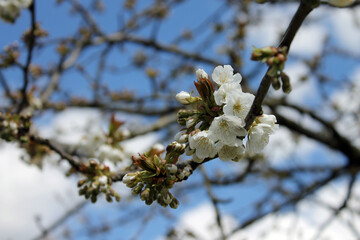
x=215, y=125
x=259, y=133
x=10, y=9
x=203, y=145
x=225, y=74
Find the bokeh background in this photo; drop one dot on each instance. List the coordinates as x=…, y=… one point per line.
x=137, y=79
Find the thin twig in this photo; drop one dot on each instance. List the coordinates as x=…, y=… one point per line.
x=61, y=220
x=299, y=17
x=31, y=44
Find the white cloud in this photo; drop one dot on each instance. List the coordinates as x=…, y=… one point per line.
x=28, y=191
x=346, y=29
x=309, y=40
x=201, y=221
x=272, y=25
x=304, y=223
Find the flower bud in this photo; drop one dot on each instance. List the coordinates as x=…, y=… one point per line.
x=341, y=3
x=117, y=197
x=130, y=180
x=201, y=74
x=171, y=168
x=108, y=198
x=174, y=203
x=180, y=176
x=183, y=97
x=145, y=194
x=166, y=196
x=181, y=137
x=93, y=198
x=158, y=147
x=190, y=122
x=138, y=188
x=103, y=180
x=189, y=151
x=81, y=182
x=276, y=83
x=286, y=85
x=182, y=113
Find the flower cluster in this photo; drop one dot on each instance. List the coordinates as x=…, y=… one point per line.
x=157, y=174
x=10, y=9
x=214, y=126
x=14, y=127
x=275, y=58
x=97, y=181
x=10, y=55
x=37, y=32
x=105, y=147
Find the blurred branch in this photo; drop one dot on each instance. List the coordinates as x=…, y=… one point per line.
x=306, y=191
x=6, y=88
x=74, y=163
x=338, y=210
x=61, y=220
x=31, y=43
x=299, y=17
x=121, y=37
x=214, y=201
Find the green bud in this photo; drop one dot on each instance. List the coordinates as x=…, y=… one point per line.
x=93, y=163
x=108, y=198
x=93, y=198
x=136, y=190
x=81, y=182
x=117, y=197
x=145, y=194
x=286, y=85
x=276, y=83
x=174, y=203
x=82, y=191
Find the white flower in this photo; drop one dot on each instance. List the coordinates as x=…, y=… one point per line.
x=158, y=147
x=238, y=104
x=13, y=126
x=189, y=151
x=25, y=3
x=103, y=180
x=108, y=153
x=181, y=137
x=190, y=122
x=226, y=129
x=128, y=178
x=227, y=152
x=204, y=146
x=267, y=119
x=341, y=3
x=257, y=139
x=10, y=9
x=225, y=74
x=224, y=90
x=183, y=97
x=125, y=132
x=259, y=133
x=201, y=74
x=90, y=143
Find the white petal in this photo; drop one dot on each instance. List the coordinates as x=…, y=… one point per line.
x=227, y=129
